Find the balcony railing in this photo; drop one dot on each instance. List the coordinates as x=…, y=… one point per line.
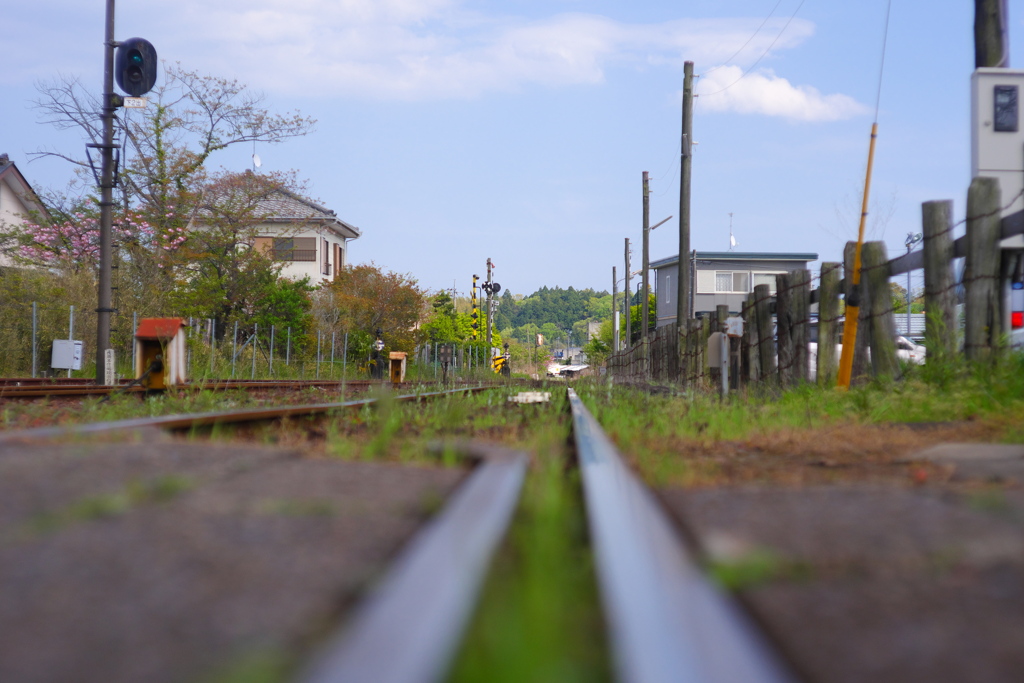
x=294, y=254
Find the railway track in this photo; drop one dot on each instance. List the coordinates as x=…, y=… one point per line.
x=36, y=388
x=665, y=620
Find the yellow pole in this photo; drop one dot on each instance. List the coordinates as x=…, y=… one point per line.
x=853, y=302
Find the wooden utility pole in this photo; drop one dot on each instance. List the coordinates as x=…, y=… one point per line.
x=615, y=310
x=991, y=42
x=683, y=311
x=645, y=286
x=626, y=293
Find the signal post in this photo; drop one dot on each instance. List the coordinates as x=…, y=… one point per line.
x=136, y=75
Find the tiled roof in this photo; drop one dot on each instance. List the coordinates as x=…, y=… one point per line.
x=283, y=204
x=20, y=185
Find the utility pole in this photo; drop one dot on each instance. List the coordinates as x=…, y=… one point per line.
x=103, y=308
x=645, y=302
x=991, y=42
x=626, y=296
x=683, y=309
x=615, y=311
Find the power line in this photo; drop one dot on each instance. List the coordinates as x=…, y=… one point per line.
x=881, y=66
x=752, y=36
x=763, y=55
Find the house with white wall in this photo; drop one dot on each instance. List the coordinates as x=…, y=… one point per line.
x=18, y=204
x=310, y=239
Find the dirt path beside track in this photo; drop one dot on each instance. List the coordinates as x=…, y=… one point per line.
x=173, y=560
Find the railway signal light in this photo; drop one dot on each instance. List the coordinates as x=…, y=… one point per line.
x=135, y=66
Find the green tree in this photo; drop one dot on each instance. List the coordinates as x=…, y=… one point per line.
x=444, y=324
x=368, y=299
x=219, y=273
x=190, y=117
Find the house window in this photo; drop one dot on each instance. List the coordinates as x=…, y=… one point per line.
x=325, y=266
x=668, y=289
x=765, y=279
x=294, y=249
x=728, y=281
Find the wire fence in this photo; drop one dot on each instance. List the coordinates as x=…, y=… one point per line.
x=783, y=343
x=215, y=349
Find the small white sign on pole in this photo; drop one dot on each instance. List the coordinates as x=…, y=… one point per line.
x=135, y=102
x=109, y=374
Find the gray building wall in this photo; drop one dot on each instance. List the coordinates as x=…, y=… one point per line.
x=712, y=271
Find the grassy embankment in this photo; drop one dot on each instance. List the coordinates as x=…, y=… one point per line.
x=660, y=433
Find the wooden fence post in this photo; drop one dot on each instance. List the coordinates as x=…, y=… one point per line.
x=749, y=350
x=800, y=326
x=981, y=272
x=721, y=313
x=702, y=346
x=828, y=329
x=784, y=328
x=875, y=273
x=683, y=361
x=696, y=354
x=939, y=300
x=763, y=321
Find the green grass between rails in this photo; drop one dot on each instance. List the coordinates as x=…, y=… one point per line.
x=539, y=618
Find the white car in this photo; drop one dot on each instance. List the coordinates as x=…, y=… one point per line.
x=909, y=352
x=906, y=350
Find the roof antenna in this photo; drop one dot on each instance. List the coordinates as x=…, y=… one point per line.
x=256, y=161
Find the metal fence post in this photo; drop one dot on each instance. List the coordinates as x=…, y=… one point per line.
x=135, y=327
x=271, y=369
x=71, y=328
x=255, y=342
x=319, y=335
x=35, y=332
x=234, y=351
x=344, y=365
x=213, y=341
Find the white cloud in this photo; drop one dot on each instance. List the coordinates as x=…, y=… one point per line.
x=433, y=49
x=762, y=92
x=437, y=49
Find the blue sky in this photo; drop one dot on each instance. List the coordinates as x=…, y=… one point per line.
x=451, y=131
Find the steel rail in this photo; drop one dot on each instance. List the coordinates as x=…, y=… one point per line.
x=666, y=620
x=82, y=389
x=87, y=388
x=409, y=629
x=193, y=420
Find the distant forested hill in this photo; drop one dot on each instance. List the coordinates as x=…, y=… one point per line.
x=549, y=308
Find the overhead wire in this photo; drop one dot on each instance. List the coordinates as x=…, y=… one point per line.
x=752, y=36
x=674, y=167
x=763, y=54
